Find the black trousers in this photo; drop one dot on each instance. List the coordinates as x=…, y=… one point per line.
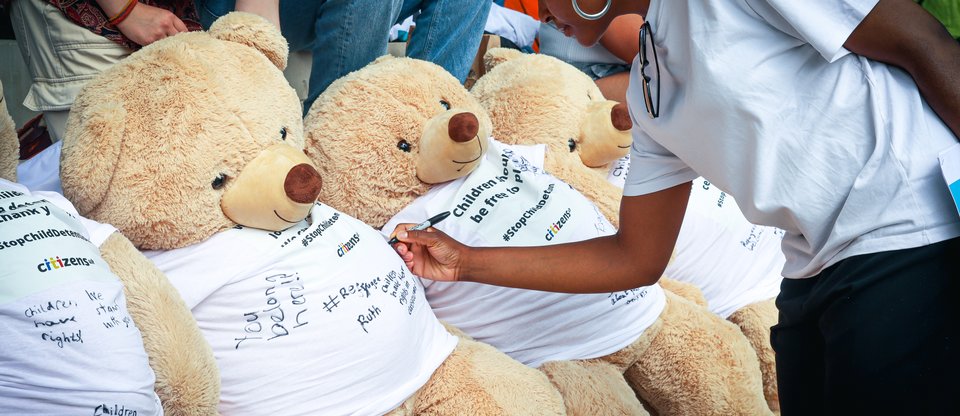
x=872, y=334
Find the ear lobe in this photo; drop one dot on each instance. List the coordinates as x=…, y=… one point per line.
x=497, y=56
x=91, y=148
x=253, y=31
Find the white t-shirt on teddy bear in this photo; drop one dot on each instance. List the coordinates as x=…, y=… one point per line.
x=510, y=201
x=733, y=262
x=321, y=318
x=68, y=345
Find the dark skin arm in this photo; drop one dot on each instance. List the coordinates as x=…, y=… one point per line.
x=634, y=257
x=901, y=33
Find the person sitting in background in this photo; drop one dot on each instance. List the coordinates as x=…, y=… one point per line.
x=346, y=35
x=65, y=43
x=519, y=29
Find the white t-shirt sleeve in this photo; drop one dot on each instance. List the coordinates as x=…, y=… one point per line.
x=824, y=24
x=653, y=168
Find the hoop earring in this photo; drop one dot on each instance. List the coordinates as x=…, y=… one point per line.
x=594, y=16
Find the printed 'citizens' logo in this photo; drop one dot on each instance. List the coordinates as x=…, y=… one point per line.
x=54, y=263
x=554, y=228
x=348, y=245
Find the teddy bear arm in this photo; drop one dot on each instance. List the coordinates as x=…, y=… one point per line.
x=595, y=187
x=593, y=387
x=478, y=379
x=187, y=379
x=684, y=290
x=698, y=364
x=755, y=321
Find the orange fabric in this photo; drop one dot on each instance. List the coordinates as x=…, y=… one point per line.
x=528, y=7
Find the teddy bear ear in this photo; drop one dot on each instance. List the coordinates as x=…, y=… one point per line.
x=253, y=31
x=497, y=56
x=384, y=58
x=91, y=148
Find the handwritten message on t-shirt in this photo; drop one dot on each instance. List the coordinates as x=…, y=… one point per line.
x=47, y=256
x=291, y=300
x=64, y=317
x=283, y=310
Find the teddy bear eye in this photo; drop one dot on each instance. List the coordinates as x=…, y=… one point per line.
x=283, y=133
x=572, y=144
x=219, y=181
x=404, y=145
x=445, y=104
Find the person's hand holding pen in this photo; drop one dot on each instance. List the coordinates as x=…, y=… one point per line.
x=428, y=252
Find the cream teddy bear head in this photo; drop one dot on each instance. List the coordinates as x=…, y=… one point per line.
x=534, y=98
x=538, y=99
x=190, y=136
x=383, y=135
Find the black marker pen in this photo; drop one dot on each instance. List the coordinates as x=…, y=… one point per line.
x=434, y=220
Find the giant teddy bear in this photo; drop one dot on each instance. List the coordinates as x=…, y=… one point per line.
x=401, y=140
x=71, y=343
x=537, y=99
x=192, y=148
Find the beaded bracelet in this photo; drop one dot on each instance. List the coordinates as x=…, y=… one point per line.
x=123, y=13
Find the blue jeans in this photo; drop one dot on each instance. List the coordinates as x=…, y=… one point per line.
x=346, y=35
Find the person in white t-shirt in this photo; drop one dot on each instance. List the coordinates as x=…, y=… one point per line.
x=822, y=118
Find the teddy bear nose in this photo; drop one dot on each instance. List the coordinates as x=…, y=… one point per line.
x=463, y=127
x=302, y=184
x=621, y=117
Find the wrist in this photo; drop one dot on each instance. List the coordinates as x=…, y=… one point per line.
x=117, y=18
x=467, y=270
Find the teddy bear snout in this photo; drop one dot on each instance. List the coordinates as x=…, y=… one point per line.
x=620, y=117
x=463, y=127
x=302, y=184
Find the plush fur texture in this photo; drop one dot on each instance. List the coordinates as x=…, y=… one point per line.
x=686, y=363
x=251, y=30
x=696, y=364
x=368, y=113
x=353, y=131
x=684, y=290
x=535, y=99
x=9, y=143
x=538, y=99
x=144, y=142
x=593, y=388
x=142, y=161
x=755, y=321
x=477, y=379
x=188, y=382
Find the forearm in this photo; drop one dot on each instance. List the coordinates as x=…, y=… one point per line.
x=938, y=78
x=634, y=257
x=902, y=33
x=267, y=9
x=593, y=266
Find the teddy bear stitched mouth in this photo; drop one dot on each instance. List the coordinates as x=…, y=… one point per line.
x=480, y=145
x=284, y=219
